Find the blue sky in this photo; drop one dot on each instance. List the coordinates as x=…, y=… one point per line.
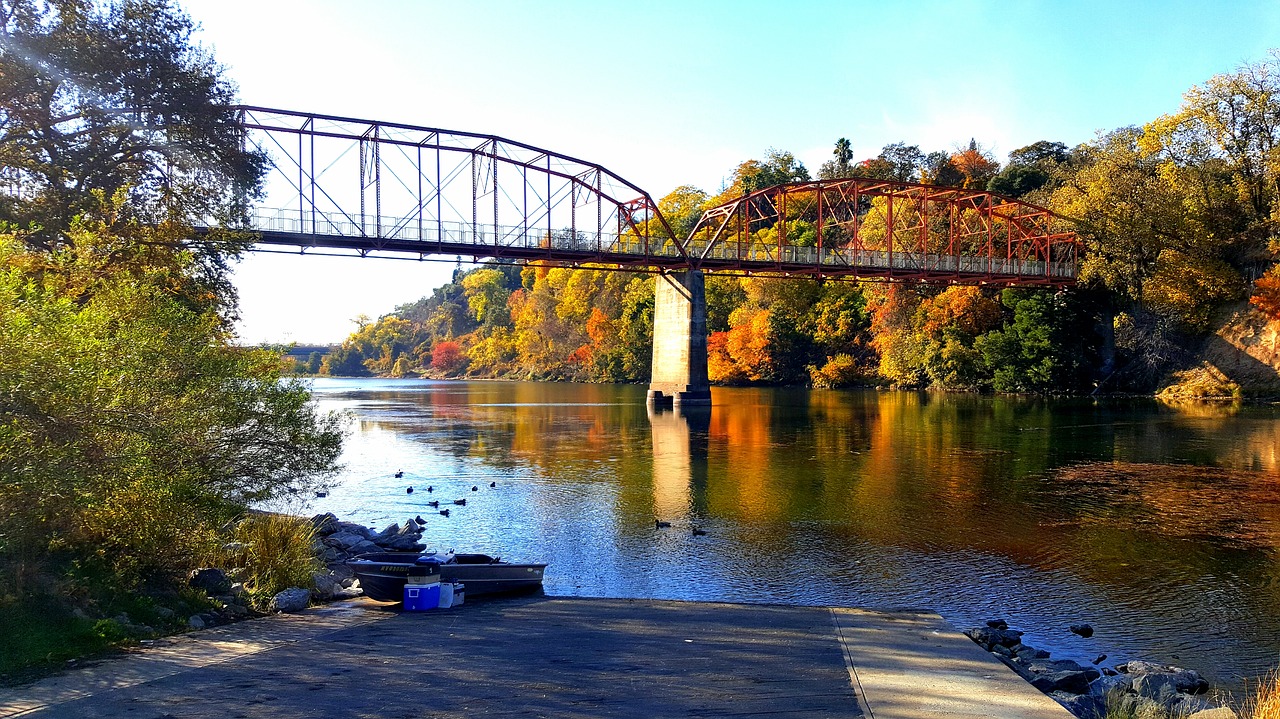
x=671, y=93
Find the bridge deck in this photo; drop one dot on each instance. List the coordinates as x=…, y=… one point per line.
x=631, y=252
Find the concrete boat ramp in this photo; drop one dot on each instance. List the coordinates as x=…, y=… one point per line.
x=550, y=657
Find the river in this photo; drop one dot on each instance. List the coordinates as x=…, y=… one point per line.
x=1158, y=525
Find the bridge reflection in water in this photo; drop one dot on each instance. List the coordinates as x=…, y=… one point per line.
x=680, y=448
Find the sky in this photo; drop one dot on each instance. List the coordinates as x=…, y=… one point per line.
x=673, y=93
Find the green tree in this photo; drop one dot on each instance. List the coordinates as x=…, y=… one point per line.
x=111, y=97
x=1047, y=347
x=841, y=165
x=132, y=428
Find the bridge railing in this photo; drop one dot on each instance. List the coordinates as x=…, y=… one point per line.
x=429, y=236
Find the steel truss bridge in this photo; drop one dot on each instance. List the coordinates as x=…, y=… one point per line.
x=368, y=188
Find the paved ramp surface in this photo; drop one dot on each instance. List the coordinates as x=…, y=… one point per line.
x=550, y=657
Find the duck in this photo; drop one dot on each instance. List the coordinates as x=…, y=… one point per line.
x=461, y=502
x=409, y=490
x=430, y=488
x=659, y=524
x=492, y=485
x=434, y=504
x=444, y=513
x=399, y=473
x=699, y=532
x=474, y=488
x=420, y=520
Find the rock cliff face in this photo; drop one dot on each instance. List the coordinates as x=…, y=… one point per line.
x=1241, y=357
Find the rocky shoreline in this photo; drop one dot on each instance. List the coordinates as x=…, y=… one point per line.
x=335, y=542
x=1131, y=689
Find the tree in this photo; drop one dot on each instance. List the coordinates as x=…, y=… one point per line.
x=975, y=164
x=897, y=161
x=842, y=165
x=447, y=357
x=104, y=98
x=1043, y=154
x=1046, y=348
x=132, y=427
x=683, y=208
x=487, y=294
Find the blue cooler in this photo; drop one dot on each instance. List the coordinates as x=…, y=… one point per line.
x=421, y=597
x=422, y=587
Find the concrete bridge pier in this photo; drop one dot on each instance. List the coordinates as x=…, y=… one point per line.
x=680, y=341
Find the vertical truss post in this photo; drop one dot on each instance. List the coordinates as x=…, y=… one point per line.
x=439, y=198
x=311, y=160
x=418, y=167
x=302, y=206
x=550, y=232
x=377, y=183
x=475, y=180
x=782, y=234
x=496, y=224
x=362, y=188
x=990, y=223
x=820, y=193
x=889, y=228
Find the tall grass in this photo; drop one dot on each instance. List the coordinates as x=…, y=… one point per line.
x=1263, y=701
x=276, y=552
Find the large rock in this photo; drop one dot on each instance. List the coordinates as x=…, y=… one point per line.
x=1188, y=680
x=326, y=585
x=1083, y=706
x=988, y=637
x=345, y=540
x=209, y=580
x=340, y=571
x=293, y=599
x=1162, y=688
x=1119, y=684
x=1070, y=682
x=403, y=543
x=325, y=524
x=364, y=547
x=354, y=528
x=1027, y=652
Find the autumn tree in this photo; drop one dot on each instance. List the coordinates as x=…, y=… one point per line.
x=975, y=164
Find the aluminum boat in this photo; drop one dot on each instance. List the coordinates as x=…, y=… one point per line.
x=382, y=575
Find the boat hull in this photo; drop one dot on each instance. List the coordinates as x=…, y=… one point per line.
x=383, y=575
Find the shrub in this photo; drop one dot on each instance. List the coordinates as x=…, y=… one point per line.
x=276, y=551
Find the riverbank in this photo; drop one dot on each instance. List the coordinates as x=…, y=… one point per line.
x=550, y=656
x=1093, y=690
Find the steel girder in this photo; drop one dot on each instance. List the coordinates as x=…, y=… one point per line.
x=864, y=227
x=368, y=186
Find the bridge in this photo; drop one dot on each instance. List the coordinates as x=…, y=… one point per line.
x=368, y=188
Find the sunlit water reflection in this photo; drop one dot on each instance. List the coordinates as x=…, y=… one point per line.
x=1158, y=525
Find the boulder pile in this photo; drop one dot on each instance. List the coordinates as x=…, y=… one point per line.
x=1135, y=688
x=336, y=542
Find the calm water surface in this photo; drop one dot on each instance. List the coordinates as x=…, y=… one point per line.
x=1158, y=525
